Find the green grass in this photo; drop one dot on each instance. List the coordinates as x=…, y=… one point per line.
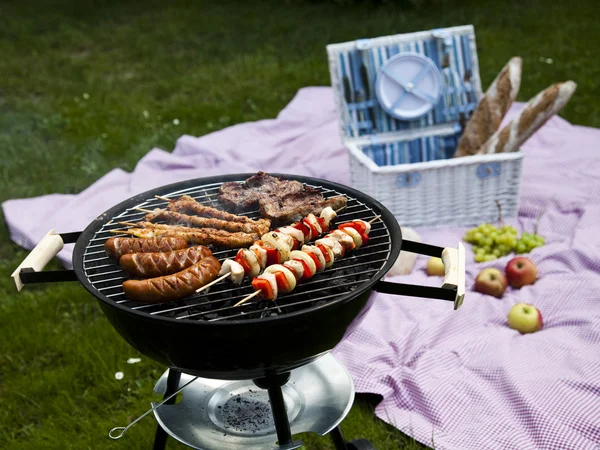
x=75, y=81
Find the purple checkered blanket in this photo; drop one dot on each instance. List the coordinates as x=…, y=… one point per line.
x=455, y=380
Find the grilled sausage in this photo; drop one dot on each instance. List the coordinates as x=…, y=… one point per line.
x=118, y=246
x=156, y=264
x=175, y=286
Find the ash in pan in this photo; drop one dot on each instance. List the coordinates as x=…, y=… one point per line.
x=246, y=415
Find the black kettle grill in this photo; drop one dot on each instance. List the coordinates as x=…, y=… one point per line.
x=204, y=335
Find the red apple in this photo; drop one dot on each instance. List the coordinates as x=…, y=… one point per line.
x=525, y=318
x=491, y=281
x=521, y=271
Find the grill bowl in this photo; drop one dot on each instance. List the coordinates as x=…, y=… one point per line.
x=240, y=348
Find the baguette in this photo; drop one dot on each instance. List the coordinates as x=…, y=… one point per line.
x=490, y=111
x=533, y=115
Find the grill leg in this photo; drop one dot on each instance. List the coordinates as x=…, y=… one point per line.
x=273, y=386
x=338, y=439
x=160, y=438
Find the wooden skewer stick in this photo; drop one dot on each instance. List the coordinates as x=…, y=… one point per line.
x=145, y=210
x=206, y=286
x=129, y=224
x=373, y=219
x=338, y=210
x=244, y=300
x=118, y=231
x=166, y=199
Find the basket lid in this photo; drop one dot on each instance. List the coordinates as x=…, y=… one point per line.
x=401, y=84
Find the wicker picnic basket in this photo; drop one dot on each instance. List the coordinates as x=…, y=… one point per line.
x=400, y=145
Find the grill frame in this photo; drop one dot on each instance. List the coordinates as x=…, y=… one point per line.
x=391, y=224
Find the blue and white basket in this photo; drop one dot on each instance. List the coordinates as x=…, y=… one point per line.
x=401, y=140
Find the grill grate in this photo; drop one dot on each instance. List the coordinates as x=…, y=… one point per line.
x=216, y=303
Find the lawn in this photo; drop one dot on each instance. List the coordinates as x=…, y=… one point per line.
x=85, y=89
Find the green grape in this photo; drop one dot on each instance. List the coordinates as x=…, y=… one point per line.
x=494, y=235
x=487, y=249
x=479, y=257
x=511, y=242
x=520, y=247
x=509, y=229
x=503, y=249
x=488, y=242
x=478, y=237
x=496, y=252
x=528, y=241
x=490, y=258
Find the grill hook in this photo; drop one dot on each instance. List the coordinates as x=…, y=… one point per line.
x=118, y=432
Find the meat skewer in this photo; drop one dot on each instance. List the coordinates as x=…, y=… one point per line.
x=277, y=279
x=188, y=205
x=260, y=226
x=195, y=236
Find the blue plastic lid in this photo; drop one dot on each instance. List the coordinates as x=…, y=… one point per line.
x=408, y=85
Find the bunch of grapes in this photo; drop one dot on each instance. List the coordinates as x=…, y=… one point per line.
x=529, y=241
x=490, y=242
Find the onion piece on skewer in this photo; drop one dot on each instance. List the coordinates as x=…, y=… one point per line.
x=235, y=270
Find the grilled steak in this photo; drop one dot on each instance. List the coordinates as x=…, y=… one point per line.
x=293, y=207
x=245, y=196
x=281, y=201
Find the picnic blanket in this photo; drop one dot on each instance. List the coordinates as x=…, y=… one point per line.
x=456, y=380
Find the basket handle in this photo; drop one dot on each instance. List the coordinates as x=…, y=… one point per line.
x=453, y=287
x=30, y=270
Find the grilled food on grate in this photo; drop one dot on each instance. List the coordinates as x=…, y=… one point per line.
x=275, y=246
x=175, y=286
x=148, y=265
x=305, y=263
x=189, y=205
x=246, y=195
x=194, y=236
x=292, y=207
x=260, y=226
x=118, y=246
x=278, y=200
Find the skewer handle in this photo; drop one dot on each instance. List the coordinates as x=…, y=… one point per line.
x=118, y=432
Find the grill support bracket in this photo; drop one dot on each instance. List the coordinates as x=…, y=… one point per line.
x=282, y=424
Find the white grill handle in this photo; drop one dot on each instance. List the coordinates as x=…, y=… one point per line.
x=454, y=271
x=48, y=247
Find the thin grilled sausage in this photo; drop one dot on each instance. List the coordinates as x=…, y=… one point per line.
x=156, y=264
x=175, y=286
x=260, y=226
x=119, y=246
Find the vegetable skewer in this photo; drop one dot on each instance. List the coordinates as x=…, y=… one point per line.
x=276, y=278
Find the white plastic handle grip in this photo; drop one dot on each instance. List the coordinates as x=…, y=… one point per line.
x=43, y=252
x=454, y=268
